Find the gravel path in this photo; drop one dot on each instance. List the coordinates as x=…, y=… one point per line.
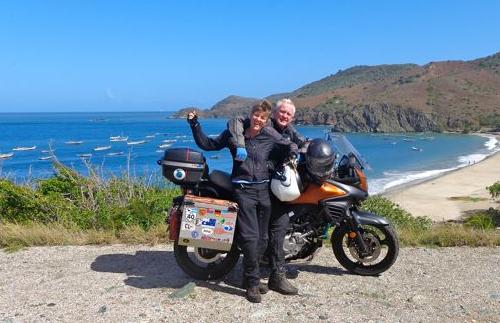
x=134, y=283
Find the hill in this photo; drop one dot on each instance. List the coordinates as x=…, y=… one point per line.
x=439, y=96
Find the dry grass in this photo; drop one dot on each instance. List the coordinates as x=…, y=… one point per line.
x=450, y=235
x=14, y=237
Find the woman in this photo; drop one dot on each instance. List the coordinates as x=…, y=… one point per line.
x=250, y=179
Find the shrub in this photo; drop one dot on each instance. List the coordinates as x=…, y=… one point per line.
x=494, y=190
x=399, y=217
x=481, y=221
x=87, y=203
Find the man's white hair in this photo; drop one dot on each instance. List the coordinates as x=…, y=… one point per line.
x=284, y=101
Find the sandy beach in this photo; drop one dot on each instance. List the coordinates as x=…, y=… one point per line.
x=452, y=195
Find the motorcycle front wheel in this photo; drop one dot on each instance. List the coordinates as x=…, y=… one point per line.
x=205, y=264
x=381, y=241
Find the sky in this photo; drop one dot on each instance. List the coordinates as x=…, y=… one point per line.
x=72, y=56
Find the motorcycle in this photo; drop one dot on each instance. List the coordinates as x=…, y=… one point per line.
x=364, y=243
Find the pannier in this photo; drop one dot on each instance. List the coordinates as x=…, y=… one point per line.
x=207, y=223
x=183, y=166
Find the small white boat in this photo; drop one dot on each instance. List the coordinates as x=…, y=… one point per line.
x=24, y=148
x=84, y=155
x=6, y=156
x=45, y=158
x=102, y=148
x=119, y=153
x=138, y=142
x=163, y=146
x=416, y=148
x=117, y=138
x=74, y=142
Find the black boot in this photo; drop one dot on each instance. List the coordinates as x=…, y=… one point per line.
x=279, y=283
x=263, y=289
x=253, y=294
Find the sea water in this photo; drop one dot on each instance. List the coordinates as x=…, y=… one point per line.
x=394, y=158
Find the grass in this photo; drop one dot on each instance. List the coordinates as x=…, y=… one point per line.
x=14, y=236
x=69, y=209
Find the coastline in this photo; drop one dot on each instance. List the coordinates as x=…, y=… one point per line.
x=431, y=196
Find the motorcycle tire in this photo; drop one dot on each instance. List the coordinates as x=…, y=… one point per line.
x=375, y=236
x=206, y=270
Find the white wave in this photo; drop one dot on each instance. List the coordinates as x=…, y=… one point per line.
x=471, y=159
x=398, y=178
x=492, y=142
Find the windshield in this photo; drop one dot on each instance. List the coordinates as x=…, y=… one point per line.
x=343, y=147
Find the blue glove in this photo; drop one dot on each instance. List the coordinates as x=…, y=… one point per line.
x=241, y=154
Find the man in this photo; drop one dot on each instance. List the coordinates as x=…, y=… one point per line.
x=281, y=120
x=282, y=117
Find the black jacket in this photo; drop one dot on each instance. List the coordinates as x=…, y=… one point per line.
x=237, y=126
x=255, y=168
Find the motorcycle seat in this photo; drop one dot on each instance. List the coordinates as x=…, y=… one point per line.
x=221, y=179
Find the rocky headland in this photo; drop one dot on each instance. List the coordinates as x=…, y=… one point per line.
x=459, y=96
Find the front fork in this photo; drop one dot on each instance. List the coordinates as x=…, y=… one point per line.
x=353, y=225
x=355, y=232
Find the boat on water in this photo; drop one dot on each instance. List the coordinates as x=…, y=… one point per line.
x=119, y=153
x=45, y=157
x=163, y=146
x=84, y=155
x=6, y=156
x=24, y=148
x=101, y=148
x=118, y=138
x=138, y=142
x=74, y=142
x=416, y=149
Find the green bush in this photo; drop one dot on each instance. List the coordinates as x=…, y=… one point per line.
x=481, y=221
x=400, y=218
x=87, y=203
x=494, y=189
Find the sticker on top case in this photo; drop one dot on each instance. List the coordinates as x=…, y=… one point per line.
x=208, y=222
x=207, y=231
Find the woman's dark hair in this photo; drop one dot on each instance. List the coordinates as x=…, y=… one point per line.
x=263, y=106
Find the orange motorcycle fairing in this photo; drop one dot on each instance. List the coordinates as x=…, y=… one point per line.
x=315, y=193
x=362, y=179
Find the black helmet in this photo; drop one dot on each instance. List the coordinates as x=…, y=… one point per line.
x=319, y=159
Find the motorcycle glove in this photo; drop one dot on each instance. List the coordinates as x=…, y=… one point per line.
x=193, y=122
x=241, y=154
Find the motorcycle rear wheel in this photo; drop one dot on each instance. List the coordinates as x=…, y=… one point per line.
x=381, y=241
x=205, y=264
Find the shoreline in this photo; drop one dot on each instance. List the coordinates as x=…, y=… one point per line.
x=411, y=183
x=431, y=196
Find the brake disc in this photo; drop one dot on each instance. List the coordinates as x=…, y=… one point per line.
x=373, y=245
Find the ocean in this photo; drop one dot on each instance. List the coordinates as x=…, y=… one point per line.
x=395, y=158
